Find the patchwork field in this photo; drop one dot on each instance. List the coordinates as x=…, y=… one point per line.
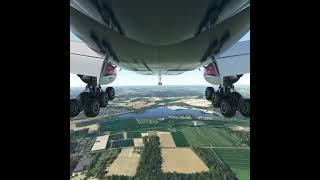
x=126, y=163
x=181, y=160
x=166, y=139
x=179, y=139
x=133, y=134
x=204, y=136
x=238, y=160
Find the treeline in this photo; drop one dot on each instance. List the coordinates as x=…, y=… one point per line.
x=150, y=162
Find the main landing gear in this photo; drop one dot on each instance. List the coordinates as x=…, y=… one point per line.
x=91, y=100
x=228, y=100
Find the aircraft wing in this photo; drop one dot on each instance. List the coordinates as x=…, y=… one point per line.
x=235, y=60
x=83, y=60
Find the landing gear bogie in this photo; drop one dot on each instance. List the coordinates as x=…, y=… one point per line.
x=229, y=101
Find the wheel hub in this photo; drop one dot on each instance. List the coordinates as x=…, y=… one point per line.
x=95, y=108
x=224, y=108
x=244, y=108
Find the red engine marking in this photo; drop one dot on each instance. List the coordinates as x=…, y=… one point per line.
x=109, y=70
x=210, y=70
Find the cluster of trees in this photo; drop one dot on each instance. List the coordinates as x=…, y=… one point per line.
x=150, y=163
x=99, y=163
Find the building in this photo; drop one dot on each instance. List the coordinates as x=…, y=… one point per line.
x=100, y=143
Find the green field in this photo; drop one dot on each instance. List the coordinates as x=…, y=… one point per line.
x=179, y=139
x=86, y=123
x=238, y=160
x=204, y=136
x=133, y=134
x=115, y=125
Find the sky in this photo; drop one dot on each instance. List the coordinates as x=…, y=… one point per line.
x=129, y=78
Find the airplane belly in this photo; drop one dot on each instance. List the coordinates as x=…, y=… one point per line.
x=136, y=56
x=155, y=22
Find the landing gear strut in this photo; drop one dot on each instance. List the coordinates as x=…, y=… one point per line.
x=91, y=100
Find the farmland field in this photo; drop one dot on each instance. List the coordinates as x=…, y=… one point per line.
x=133, y=135
x=204, y=136
x=165, y=139
x=174, y=160
x=118, y=125
x=125, y=164
x=179, y=139
x=122, y=143
x=238, y=160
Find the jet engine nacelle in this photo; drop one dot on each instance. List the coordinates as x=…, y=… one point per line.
x=108, y=74
x=211, y=74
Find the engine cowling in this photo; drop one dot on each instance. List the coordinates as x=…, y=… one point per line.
x=108, y=75
x=211, y=74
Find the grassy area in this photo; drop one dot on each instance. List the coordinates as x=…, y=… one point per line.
x=86, y=123
x=179, y=139
x=115, y=125
x=204, y=136
x=133, y=134
x=238, y=160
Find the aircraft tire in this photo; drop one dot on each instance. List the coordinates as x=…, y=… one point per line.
x=245, y=108
x=91, y=108
x=235, y=97
x=227, y=107
x=103, y=99
x=216, y=99
x=74, y=108
x=208, y=93
x=111, y=93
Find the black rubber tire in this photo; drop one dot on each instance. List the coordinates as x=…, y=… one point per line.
x=91, y=108
x=227, y=108
x=111, y=93
x=74, y=108
x=208, y=93
x=103, y=99
x=245, y=108
x=235, y=98
x=83, y=97
x=216, y=99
